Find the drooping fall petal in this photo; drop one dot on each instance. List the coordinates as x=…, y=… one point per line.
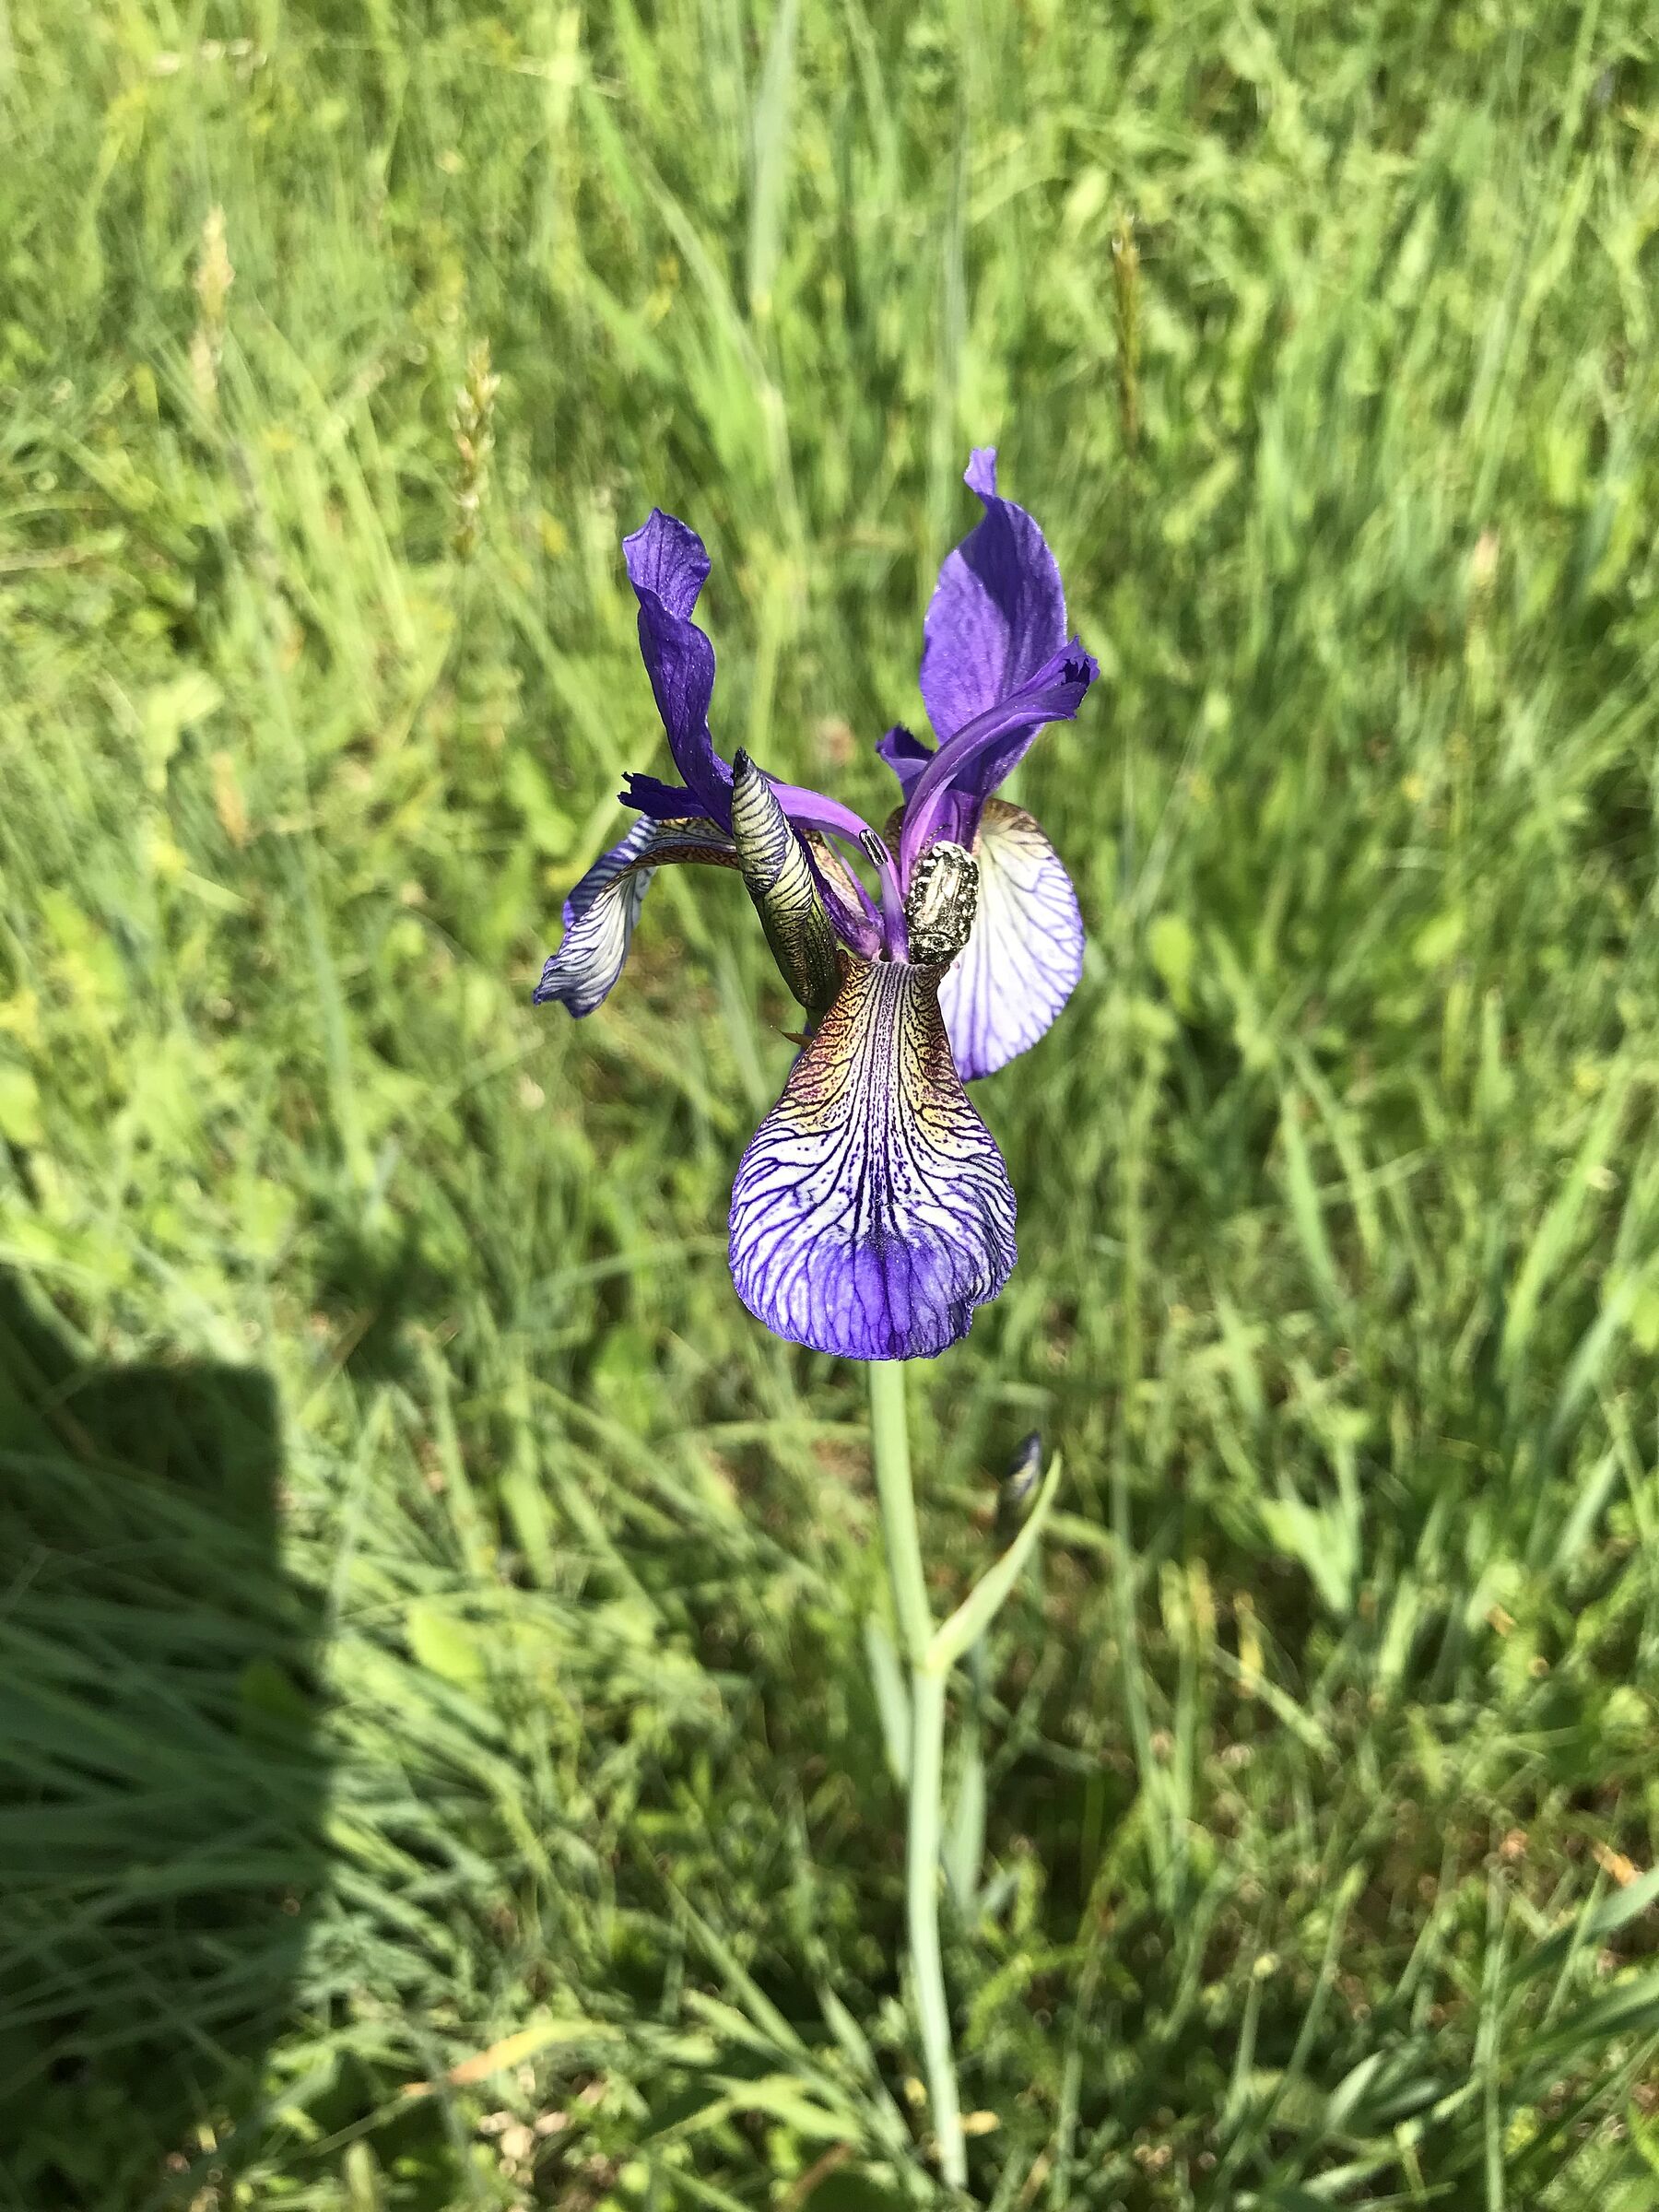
x=872, y=1211
x=600, y=913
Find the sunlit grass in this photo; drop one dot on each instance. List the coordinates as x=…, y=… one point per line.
x=492, y=1693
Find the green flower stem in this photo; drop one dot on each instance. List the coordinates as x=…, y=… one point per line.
x=890, y=1445
x=889, y=1436
x=922, y=1897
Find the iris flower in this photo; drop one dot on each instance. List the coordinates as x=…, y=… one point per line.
x=872, y=1211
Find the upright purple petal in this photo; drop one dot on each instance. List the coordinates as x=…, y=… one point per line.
x=600, y=913
x=997, y=613
x=872, y=1211
x=1022, y=962
x=666, y=557
x=667, y=567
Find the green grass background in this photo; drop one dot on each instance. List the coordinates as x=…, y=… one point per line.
x=434, y=1613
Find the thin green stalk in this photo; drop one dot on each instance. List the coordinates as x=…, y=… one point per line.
x=890, y=1451
x=921, y=1901
x=889, y=1447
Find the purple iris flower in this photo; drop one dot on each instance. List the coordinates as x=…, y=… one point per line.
x=872, y=1211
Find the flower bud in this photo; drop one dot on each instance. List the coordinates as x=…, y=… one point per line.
x=1018, y=1485
x=779, y=879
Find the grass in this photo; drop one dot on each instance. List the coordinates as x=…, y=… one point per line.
x=434, y=1632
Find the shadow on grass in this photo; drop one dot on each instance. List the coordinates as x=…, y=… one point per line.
x=160, y=1782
